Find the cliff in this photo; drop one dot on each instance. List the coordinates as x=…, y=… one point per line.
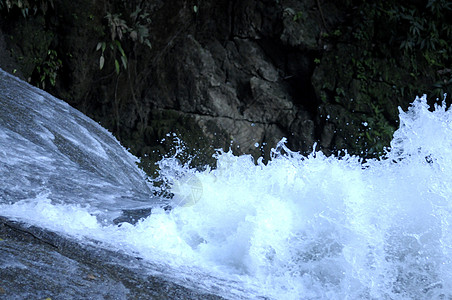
x=239, y=74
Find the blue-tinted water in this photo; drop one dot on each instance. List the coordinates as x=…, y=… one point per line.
x=298, y=227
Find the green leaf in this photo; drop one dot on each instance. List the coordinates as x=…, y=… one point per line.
x=124, y=61
x=101, y=62
x=148, y=43
x=117, y=66
x=298, y=16
x=118, y=44
x=99, y=45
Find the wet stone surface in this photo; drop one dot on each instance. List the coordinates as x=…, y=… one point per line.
x=39, y=264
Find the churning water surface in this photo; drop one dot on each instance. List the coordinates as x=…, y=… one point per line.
x=297, y=227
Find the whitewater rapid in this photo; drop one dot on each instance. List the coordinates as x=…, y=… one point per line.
x=297, y=227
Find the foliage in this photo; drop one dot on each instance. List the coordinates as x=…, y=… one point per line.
x=43, y=62
x=428, y=28
x=423, y=31
x=443, y=87
x=47, y=69
x=137, y=31
x=115, y=46
x=26, y=7
x=377, y=133
x=391, y=52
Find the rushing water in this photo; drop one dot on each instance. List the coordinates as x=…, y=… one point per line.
x=298, y=227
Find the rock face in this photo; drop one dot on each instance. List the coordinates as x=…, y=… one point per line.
x=240, y=75
x=39, y=264
x=220, y=72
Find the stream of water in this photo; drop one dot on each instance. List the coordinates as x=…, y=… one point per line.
x=297, y=227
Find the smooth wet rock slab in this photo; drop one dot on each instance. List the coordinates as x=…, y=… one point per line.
x=39, y=264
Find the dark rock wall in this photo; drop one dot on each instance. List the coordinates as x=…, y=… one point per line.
x=231, y=73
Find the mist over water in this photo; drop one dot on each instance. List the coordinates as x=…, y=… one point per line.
x=298, y=227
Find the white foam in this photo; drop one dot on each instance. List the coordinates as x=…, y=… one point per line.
x=311, y=227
